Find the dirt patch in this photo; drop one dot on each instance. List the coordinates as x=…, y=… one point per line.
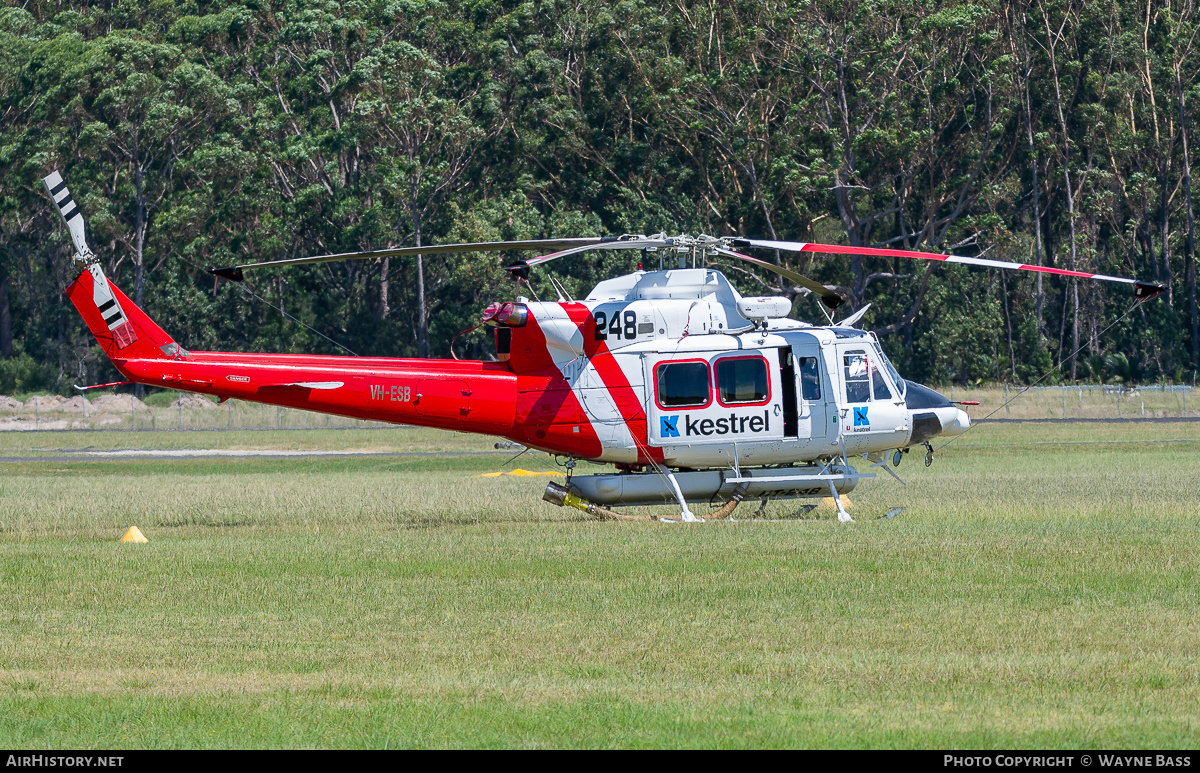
x=48, y=404
x=45, y=403
x=76, y=404
x=121, y=404
x=28, y=423
x=193, y=400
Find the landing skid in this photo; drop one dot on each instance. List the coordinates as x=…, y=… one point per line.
x=594, y=494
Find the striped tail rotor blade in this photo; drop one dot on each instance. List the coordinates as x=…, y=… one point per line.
x=68, y=210
x=1140, y=289
x=102, y=294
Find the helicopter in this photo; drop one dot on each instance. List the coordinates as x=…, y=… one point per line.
x=693, y=392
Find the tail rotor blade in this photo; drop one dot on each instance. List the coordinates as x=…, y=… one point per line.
x=68, y=210
x=102, y=295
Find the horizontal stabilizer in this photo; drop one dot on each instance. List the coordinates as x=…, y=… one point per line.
x=102, y=386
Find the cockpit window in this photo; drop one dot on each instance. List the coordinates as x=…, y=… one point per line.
x=891, y=369
x=864, y=379
x=879, y=384
x=858, y=385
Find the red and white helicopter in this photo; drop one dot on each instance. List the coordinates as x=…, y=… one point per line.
x=695, y=393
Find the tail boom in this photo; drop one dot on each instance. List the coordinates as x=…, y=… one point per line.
x=462, y=395
x=471, y=396
x=535, y=407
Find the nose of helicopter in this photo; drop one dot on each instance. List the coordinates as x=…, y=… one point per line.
x=957, y=424
x=932, y=414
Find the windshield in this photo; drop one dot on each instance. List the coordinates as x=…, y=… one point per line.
x=891, y=369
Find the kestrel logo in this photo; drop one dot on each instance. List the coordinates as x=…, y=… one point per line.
x=860, y=418
x=668, y=426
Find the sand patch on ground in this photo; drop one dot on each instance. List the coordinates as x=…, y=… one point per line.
x=193, y=400
x=114, y=403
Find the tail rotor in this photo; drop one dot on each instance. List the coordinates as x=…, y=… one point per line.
x=110, y=308
x=56, y=186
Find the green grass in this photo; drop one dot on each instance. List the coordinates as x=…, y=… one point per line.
x=386, y=440
x=1031, y=595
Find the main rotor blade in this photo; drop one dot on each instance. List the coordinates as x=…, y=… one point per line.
x=1140, y=289
x=520, y=269
x=616, y=243
x=828, y=297
x=234, y=273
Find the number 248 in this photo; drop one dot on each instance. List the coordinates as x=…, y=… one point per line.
x=621, y=325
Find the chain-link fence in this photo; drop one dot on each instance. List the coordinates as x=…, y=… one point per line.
x=186, y=412
x=1079, y=401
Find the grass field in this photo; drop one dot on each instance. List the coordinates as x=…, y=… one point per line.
x=1041, y=589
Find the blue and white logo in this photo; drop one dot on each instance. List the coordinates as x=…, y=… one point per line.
x=668, y=426
x=860, y=418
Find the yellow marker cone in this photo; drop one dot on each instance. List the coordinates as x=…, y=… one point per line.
x=828, y=502
x=134, y=535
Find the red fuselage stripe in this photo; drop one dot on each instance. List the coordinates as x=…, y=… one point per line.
x=544, y=393
x=623, y=395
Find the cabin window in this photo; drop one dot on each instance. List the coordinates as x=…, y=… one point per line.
x=858, y=383
x=742, y=380
x=810, y=379
x=683, y=385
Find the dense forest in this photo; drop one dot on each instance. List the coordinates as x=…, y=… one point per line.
x=203, y=133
